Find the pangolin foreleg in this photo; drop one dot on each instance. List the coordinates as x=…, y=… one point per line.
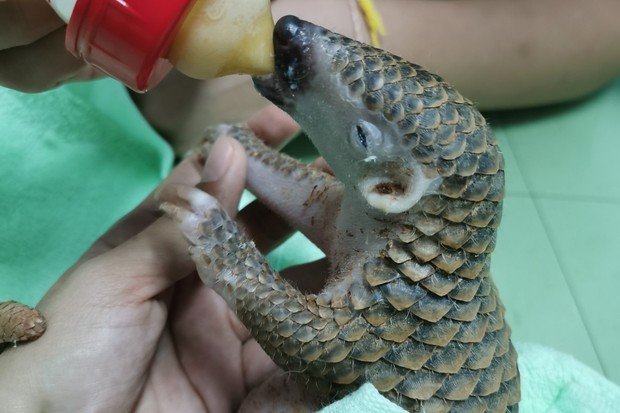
x=19, y=323
x=306, y=198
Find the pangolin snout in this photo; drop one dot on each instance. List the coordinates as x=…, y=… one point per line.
x=292, y=41
x=293, y=58
x=286, y=29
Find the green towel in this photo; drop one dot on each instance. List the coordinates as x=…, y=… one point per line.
x=76, y=159
x=72, y=162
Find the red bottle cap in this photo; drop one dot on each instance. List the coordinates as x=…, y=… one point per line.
x=127, y=39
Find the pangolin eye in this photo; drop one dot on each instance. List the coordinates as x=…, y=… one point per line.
x=361, y=136
x=365, y=136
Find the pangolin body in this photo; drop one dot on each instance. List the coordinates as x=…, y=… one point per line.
x=408, y=225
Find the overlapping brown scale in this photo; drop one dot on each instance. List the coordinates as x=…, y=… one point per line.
x=491, y=378
x=424, y=248
x=378, y=273
x=440, y=283
x=466, y=311
x=378, y=314
x=439, y=333
x=361, y=296
x=472, y=267
x=457, y=210
x=426, y=137
x=459, y=386
x=423, y=154
x=454, y=235
x=482, y=353
x=421, y=384
x=397, y=327
x=427, y=79
x=449, y=261
x=346, y=372
x=402, y=295
x=328, y=333
x=467, y=121
x=471, y=405
x=398, y=252
x=510, y=365
x=383, y=375
x=497, y=402
x=496, y=187
x=336, y=350
x=354, y=329
x=395, y=112
x=431, y=307
x=473, y=331
x=465, y=290
x=392, y=93
x=479, y=241
x=435, y=404
x=476, y=141
x=434, y=204
x=482, y=213
x=449, y=359
x=466, y=164
x=410, y=354
x=370, y=348
x=415, y=271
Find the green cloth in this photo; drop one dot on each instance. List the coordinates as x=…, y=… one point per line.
x=72, y=162
x=76, y=159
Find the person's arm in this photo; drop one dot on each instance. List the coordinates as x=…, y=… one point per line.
x=499, y=53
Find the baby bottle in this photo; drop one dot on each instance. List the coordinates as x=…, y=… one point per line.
x=139, y=41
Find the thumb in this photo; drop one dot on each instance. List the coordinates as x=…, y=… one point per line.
x=157, y=257
x=224, y=173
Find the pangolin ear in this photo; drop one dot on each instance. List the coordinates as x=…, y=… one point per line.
x=393, y=195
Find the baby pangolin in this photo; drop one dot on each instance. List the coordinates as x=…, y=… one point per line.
x=408, y=225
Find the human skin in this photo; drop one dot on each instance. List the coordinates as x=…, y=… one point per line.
x=501, y=54
x=122, y=322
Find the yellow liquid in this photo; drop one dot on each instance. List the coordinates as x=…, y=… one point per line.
x=222, y=37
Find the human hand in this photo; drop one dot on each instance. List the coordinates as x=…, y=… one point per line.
x=33, y=57
x=129, y=323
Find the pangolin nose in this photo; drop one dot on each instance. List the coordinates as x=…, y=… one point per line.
x=286, y=29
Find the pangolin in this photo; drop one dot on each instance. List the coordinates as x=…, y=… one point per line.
x=18, y=323
x=408, y=224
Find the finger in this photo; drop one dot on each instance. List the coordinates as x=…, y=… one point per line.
x=224, y=173
x=266, y=228
x=39, y=66
x=273, y=125
x=209, y=348
x=187, y=172
x=257, y=365
x=25, y=21
x=157, y=257
x=137, y=270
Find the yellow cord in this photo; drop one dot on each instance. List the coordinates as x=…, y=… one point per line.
x=373, y=21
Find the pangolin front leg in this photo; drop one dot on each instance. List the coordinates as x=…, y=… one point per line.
x=306, y=198
x=19, y=323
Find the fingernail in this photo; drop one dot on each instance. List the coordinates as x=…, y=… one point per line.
x=219, y=161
